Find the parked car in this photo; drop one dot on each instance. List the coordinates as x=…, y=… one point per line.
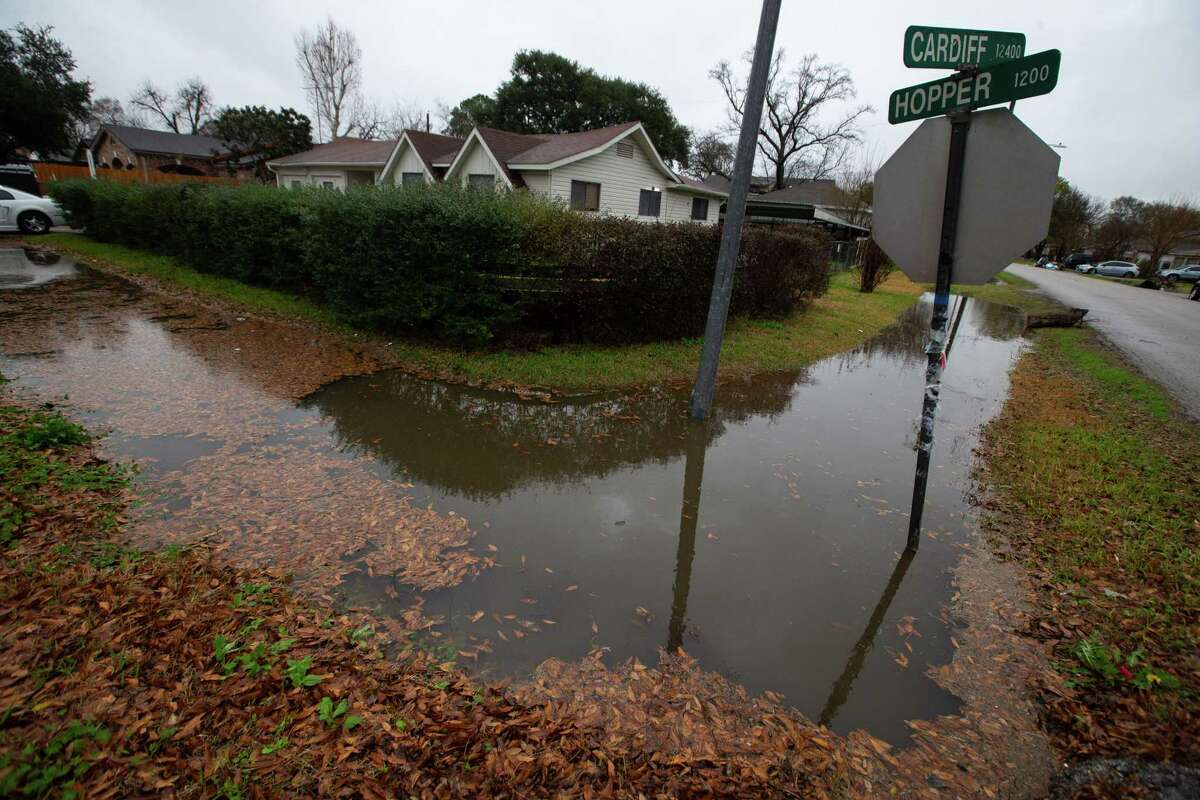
x=1117, y=269
x=1189, y=274
x=1194, y=294
x=1050, y=265
x=1074, y=260
x=1086, y=269
x=28, y=213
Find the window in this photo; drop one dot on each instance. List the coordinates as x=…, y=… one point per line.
x=649, y=203
x=699, y=208
x=481, y=181
x=297, y=183
x=585, y=196
x=410, y=178
x=326, y=184
x=5, y=195
x=625, y=149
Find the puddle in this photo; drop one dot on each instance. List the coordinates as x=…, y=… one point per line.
x=767, y=544
x=19, y=271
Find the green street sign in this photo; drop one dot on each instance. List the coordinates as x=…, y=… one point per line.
x=1011, y=80
x=952, y=48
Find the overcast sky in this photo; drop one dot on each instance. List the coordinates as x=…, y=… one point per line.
x=1127, y=105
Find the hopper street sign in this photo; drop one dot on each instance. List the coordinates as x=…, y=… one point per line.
x=1000, y=83
x=955, y=48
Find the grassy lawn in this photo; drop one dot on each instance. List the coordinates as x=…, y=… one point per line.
x=1098, y=488
x=1011, y=290
x=841, y=319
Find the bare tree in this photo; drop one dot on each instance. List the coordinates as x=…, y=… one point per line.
x=797, y=137
x=330, y=63
x=857, y=182
x=194, y=103
x=710, y=154
x=1164, y=224
x=1120, y=227
x=373, y=120
x=186, y=110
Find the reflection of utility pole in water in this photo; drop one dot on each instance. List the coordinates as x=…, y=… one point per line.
x=689, y=516
x=841, y=689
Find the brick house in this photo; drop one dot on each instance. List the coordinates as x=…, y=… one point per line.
x=128, y=148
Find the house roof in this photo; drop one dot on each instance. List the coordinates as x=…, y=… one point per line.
x=702, y=187
x=549, y=148
x=723, y=184
x=344, y=150
x=434, y=148
x=823, y=192
x=145, y=140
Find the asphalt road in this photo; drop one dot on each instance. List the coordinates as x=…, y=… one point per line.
x=1158, y=331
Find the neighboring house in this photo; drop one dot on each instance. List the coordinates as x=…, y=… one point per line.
x=1185, y=252
x=614, y=170
x=128, y=148
x=810, y=202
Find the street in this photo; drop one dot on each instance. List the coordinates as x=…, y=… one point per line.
x=1158, y=331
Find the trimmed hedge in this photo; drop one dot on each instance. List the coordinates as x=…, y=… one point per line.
x=457, y=264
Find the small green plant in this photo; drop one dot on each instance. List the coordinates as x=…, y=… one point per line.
x=328, y=713
x=359, y=636
x=255, y=662
x=352, y=722
x=1110, y=665
x=297, y=673
x=253, y=594
x=65, y=758
x=275, y=746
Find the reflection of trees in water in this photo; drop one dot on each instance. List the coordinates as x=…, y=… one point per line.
x=481, y=444
x=905, y=339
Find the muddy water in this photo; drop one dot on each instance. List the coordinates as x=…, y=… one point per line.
x=766, y=544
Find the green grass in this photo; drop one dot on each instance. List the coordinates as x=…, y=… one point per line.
x=1012, y=290
x=1106, y=479
x=170, y=271
x=842, y=319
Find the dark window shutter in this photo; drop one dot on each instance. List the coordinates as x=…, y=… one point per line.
x=699, y=208
x=578, y=195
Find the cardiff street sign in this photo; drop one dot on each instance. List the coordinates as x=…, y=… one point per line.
x=1000, y=83
x=955, y=48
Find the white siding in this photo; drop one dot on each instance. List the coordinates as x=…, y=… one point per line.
x=477, y=162
x=678, y=206
x=409, y=161
x=537, y=181
x=621, y=182
x=312, y=176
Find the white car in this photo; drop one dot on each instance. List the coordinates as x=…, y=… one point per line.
x=28, y=213
x=1117, y=269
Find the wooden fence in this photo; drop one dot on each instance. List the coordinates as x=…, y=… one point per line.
x=48, y=172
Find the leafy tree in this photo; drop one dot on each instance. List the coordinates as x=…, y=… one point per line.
x=1072, y=217
x=549, y=93
x=475, y=110
x=1164, y=224
x=40, y=102
x=1120, y=227
x=261, y=134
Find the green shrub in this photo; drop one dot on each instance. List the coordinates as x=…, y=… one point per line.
x=453, y=263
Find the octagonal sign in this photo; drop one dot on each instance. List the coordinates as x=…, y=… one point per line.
x=1007, y=193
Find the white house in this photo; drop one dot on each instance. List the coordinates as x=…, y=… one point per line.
x=614, y=170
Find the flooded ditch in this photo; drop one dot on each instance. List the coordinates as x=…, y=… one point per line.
x=766, y=544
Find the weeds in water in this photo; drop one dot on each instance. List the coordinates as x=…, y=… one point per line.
x=253, y=594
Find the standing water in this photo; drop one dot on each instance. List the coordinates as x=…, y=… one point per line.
x=766, y=544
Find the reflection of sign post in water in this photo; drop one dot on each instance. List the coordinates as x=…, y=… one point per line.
x=689, y=515
x=845, y=682
x=944, y=210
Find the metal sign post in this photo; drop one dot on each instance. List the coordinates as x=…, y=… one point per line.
x=959, y=126
x=735, y=213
